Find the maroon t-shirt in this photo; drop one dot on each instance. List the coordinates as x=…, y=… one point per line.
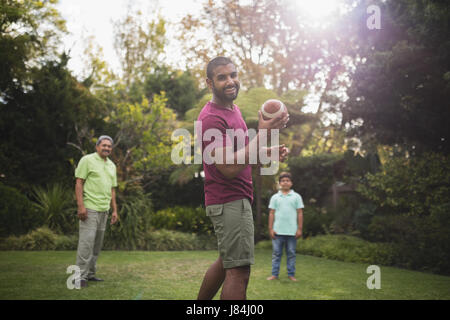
x=218, y=189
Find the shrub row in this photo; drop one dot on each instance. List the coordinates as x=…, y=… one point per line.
x=353, y=249
x=160, y=240
x=348, y=248
x=343, y=248
x=40, y=239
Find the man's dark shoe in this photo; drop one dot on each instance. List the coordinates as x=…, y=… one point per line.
x=83, y=283
x=95, y=279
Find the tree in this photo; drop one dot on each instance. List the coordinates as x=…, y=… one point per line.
x=142, y=143
x=29, y=33
x=37, y=125
x=139, y=45
x=180, y=87
x=97, y=75
x=400, y=90
x=264, y=38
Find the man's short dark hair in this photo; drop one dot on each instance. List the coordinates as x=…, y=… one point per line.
x=214, y=63
x=285, y=175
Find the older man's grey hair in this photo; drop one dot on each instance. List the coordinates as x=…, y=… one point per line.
x=101, y=138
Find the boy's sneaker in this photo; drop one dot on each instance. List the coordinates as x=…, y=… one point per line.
x=272, y=278
x=292, y=278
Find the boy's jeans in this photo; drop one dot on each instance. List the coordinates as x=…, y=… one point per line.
x=278, y=244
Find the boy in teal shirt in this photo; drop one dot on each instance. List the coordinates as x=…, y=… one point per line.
x=285, y=225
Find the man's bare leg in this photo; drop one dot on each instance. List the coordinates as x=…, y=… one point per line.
x=235, y=284
x=212, y=281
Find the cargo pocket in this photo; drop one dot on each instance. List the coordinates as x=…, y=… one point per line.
x=214, y=210
x=247, y=233
x=215, y=213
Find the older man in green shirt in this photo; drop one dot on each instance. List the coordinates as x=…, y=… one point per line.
x=95, y=182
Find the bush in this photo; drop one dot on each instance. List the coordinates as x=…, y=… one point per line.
x=315, y=221
x=345, y=214
x=40, y=239
x=416, y=186
x=158, y=240
x=343, y=248
x=347, y=248
x=363, y=217
x=137, y=220
x=184, y=219
x=421, y=243
x=134, y=221
x=411, y=210
x=57, y=206
x=17, y=215
x=168, y=240
x=314, y=175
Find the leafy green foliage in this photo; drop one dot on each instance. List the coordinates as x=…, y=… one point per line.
x=411, y=209
x=40, y=239
x=344, y=248
x=183, y=219
x=169, y=240
x=139, y=43
x=420, y=242
x=401, y=89
x=316, y=221
x=37, y=125
x=134, y=221
x=313, y=176
x=144, y=143
x=154, y=240
x=415, y=186
x=17, y=215
x=57, y=207
x=347, y=248
x=180, y=88
x=29, y=30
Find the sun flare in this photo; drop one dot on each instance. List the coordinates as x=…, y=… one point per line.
x=317, y=9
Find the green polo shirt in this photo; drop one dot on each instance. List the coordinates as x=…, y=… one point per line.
x=285, y=206
x=99, y=178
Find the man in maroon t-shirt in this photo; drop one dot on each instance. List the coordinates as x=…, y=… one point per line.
x=228, y=180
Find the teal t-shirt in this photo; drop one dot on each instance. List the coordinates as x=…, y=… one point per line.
x=285, y=206
x=100, y=177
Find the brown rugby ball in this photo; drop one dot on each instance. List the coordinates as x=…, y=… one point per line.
x=272, y=108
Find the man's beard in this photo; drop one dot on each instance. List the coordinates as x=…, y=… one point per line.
x=223, y=96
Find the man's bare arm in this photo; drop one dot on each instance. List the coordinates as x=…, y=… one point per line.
x=82, y=213
x=114, y=216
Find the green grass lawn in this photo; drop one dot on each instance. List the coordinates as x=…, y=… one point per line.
x=177, y=275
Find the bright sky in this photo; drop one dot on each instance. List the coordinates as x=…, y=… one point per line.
x=94, y=18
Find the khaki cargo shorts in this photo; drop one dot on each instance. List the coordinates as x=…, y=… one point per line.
x=233, y=225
